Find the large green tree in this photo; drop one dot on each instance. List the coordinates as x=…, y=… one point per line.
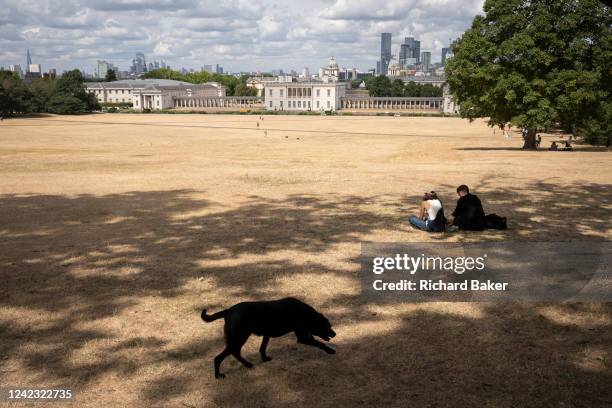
x=110, y=76
x=14, y=94
x=41, y=89
x=70, y=96
x=537, y=64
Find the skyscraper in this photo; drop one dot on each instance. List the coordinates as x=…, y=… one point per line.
x=16, y=68
x=103, y=68
x=385, y=52
x=426, y=60
x=410, y=52
x=139, y=64
x=33, y=71
x=445, y=52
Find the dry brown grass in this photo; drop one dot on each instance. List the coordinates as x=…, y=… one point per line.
x=116, y=229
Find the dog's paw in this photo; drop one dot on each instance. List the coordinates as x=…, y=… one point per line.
x=219, y=376
x=266, y=359
x=330, y=351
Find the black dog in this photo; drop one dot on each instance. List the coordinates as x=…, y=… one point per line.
x=269, y=319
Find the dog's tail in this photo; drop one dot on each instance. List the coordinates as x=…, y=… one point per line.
x=213, y=317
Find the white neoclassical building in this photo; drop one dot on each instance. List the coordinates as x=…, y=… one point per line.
x=259, y=83
x=154, y=94
x=304, y=96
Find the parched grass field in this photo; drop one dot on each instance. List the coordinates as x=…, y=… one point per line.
x=116, y=230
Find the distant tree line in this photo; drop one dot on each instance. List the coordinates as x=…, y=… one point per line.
x=235, y=86
x=381, y=86
x=65, y=95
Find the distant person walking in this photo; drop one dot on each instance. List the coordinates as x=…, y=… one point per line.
x=553, y=147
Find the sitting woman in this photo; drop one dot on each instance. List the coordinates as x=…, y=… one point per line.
x=431, y=216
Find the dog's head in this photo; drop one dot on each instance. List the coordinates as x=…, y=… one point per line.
x=322, y=327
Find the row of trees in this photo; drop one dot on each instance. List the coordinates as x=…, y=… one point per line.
x=382, y=86
x=65, y=95
x=234, y=86
x=537, y=64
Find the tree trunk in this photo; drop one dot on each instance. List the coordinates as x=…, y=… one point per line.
x=530, y=140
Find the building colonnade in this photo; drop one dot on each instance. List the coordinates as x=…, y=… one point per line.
x=219, y=102
x=392, y=103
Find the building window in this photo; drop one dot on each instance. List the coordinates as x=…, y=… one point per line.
x=299, y=104
x=270, y=95
x=309, y=93
x=122, y=92
x=308, y=104
x=329, y=92
x=281, y=92
x=158, y=103
x=318, y=92
x=327, y=104
x=270, y=101
x=281, y=104
x=317, y=104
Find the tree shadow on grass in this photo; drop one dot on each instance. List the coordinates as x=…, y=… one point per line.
x=507, y=355
x=69, y=261
x=87, y=258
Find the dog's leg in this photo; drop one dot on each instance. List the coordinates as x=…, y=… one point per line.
x=262, y=349
x=218, y=360
x=235, y=346
x=310, y=341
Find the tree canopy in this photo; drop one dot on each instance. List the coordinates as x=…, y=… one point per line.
x=110, y=76
x=381, y=86
x=14, y=94
x=537, y=64
x=66, y=95
x=229, y=81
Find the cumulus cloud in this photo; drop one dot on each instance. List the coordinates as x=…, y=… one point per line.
x=238, y=34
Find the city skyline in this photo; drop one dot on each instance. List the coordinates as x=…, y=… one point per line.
x=76, y=34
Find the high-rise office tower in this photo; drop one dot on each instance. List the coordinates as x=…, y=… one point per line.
x=445, y=52
x=16, y=68
x=426, y=60
x=28, y=58
x=385, y=52
x=139, y=64
x=410, y=52
x=103, y=68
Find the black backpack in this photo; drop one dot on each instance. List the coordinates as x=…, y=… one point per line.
x=439, y=223
x=494, y=221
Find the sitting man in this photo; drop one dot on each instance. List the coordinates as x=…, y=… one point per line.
x=469, y=214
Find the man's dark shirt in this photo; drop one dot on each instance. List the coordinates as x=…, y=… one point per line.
x=469, y=214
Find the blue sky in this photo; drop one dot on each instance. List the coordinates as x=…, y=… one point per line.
x=238, y=34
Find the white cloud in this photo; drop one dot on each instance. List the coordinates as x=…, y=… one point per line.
x=238, y=34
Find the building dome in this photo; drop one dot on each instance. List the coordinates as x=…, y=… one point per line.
x=332, y=63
